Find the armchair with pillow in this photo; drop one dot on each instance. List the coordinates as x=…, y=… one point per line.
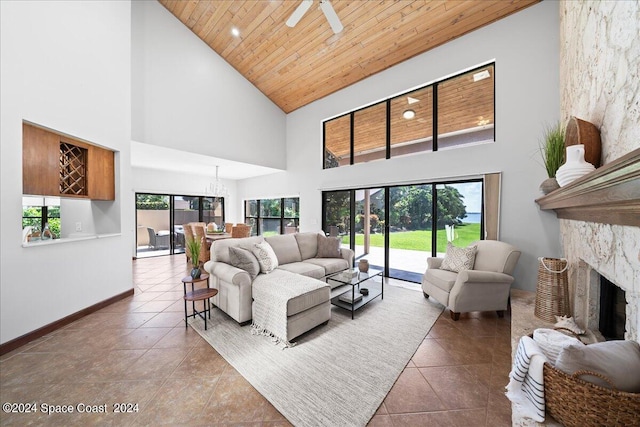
x=476, y=278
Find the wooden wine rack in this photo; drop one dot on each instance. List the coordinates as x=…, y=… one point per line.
x=73, y=169
x=56, y=164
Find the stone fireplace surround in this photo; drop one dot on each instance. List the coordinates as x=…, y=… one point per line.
x=608, y=250
x=599, y=63
x=600, y=235
x=600, y=59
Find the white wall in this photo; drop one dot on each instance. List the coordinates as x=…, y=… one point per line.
x=185, y=96
x=525, y=47
x=66, y=66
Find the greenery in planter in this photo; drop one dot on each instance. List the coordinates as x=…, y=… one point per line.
x=193, y=248
x=552, y=148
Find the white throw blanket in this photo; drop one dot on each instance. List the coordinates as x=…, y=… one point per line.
x=271, y=293
x=526, y=383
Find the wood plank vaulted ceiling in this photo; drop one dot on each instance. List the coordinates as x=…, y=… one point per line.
x=296, y=66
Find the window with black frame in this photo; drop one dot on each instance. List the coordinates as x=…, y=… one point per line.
x=398, y=227
x=451, y=112
x=41, y=217
x=161, y=219
x=272, y=216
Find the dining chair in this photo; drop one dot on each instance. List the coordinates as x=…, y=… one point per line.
x=241, y=230
x=205, y=248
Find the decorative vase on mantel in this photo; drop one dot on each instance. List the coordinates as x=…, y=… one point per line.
x=574, y=167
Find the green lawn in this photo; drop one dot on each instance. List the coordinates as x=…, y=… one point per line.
x=421, y=240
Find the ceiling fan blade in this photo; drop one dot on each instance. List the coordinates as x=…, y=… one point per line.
x=298, y=13
x=331, y=16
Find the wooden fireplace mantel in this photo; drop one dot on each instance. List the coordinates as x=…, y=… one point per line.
x=610, y=194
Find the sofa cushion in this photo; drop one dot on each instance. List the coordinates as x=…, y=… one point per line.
x=308, y=244
x=457, y=259
x=304, y=268
x=244, y=259
x=321, y=294
x=328, y=247
x=220, y=248
x=443, y=279
x=619, y=361
x=266, y=256
x=306, y=301
x=552, y=342
x=330, y=265
x=285, y=247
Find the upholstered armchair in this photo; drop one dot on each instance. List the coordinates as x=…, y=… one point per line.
x=484, y=287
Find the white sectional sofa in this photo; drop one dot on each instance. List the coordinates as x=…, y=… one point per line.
x=300, y=265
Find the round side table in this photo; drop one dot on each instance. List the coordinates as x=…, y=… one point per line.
x=202, y=294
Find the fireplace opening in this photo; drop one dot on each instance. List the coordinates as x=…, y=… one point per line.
x=612, y=310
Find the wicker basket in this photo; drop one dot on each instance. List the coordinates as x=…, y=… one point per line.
x=575, y=402
x=552, y=292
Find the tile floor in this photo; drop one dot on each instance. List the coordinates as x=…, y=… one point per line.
x=138, y=351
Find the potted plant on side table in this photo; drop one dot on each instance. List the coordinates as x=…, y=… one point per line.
x=193, y=247
x=552, y=152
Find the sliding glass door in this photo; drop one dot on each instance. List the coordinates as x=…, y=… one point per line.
x=336, y=215
x=398, y=227
x=369, y=225
x=153, y=219
x=410, y=230
x=185, y=210
x=459, y=213
x=160, y=220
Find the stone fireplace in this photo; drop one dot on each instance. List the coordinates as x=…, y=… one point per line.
x=585, y=291
x=600, y=59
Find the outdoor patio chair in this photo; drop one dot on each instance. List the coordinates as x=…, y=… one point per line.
x=152, y=237
x=158, y=240
x=483, y=288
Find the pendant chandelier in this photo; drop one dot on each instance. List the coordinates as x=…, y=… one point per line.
x=216, y=189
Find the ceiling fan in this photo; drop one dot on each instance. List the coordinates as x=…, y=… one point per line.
x=326, y=8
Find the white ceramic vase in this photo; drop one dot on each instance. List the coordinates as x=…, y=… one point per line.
x=574, y=167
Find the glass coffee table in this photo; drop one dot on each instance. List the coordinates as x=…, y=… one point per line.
x=358, y=296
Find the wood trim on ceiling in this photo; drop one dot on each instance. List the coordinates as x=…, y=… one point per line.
x=296, y=66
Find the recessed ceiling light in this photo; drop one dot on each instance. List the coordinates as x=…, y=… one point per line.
x=408, y=114
x=484, y=74
x=235, y=32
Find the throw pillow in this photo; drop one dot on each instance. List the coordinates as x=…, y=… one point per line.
x=328, y=247
x=266, y=256
x=244, y=259
x=619, y=361
x=552, y=342
x=457, y=259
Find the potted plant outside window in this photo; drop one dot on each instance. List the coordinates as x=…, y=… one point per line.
x=552, y=152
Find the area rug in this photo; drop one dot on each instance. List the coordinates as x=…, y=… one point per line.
x=337, y=374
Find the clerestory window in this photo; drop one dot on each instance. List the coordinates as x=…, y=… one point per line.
x=452, y=112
